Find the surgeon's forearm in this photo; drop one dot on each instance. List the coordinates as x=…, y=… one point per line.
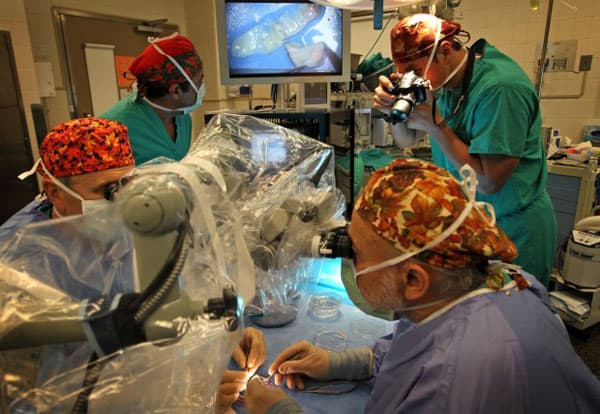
x=458, y=154
x=456, y=150
x=403, y=136
x=353, y=364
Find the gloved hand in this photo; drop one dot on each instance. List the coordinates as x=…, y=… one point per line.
x=299, y=359
x=259, y=398
x=251, y=351
x=232, y=383
x=250, y=354
x=383, y=100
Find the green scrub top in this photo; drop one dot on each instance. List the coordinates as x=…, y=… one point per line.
x=147, y=134
x=502, y=116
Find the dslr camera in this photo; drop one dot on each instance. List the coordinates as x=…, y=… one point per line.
x=410, y=90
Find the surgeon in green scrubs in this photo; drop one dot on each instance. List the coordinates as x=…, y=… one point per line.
x=483, y=111
x=170, y=85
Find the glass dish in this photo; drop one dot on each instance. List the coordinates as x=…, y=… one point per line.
x=325, y=307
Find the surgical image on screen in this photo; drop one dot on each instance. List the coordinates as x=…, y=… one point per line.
x=283, y=38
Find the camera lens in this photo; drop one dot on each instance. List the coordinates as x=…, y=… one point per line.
x=342, y=246
x=401, y=110
x=335, y=243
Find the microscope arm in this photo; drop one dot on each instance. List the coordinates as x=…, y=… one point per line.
x=157, y=216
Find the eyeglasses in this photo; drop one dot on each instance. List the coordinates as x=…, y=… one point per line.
x=111, y=189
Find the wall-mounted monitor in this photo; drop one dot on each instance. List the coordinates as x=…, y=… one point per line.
x=286, y=41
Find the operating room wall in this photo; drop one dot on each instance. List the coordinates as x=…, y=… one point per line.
x=44, y=43
x=13, y=20
x=513, y=27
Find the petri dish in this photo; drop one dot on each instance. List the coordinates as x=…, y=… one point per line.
x=324, y=307
x=330, y=339
x=276, y=316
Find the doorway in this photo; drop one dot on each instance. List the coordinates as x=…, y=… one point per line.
x=15, y=148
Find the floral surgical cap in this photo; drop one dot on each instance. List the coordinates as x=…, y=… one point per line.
x=411, y=202
x=85, y=145
x=414, y=36
x=155, y=68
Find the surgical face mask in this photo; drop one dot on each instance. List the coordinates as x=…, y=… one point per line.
x=200, y=92
x=86, y=205
x=186, y=109
x=349, y=278
x=199, y=97
x=349, y=281
x=432, y=55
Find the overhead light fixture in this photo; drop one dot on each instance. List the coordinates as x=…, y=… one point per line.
x=152, y=26
x=148, y=29
x=365, y=4
x=378, y=6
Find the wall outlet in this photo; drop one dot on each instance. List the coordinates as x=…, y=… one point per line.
x=585, y=63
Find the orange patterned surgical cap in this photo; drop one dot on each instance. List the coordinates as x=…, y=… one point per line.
x=411, y=202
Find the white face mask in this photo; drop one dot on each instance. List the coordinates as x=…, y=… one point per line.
x=200, y=92
x=86, y=205
x=431, y=56
x=199, y=96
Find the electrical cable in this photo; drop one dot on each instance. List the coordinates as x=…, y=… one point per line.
x=143, y=306
x=274, y=91
x=378, y=71
x=153, y=301
x=395, y=14
x=92, y=374
x=164, y=273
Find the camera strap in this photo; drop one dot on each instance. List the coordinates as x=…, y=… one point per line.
x=462, y=99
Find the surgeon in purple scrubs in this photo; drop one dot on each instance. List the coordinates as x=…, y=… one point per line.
x=476, y=334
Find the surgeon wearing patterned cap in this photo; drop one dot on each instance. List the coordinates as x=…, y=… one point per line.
x=481, y=110
x=475, y=334
x=170, y=86
x=80, y=163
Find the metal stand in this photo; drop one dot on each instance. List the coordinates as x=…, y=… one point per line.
x=283, y=95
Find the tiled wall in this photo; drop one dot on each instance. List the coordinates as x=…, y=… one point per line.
x=13, y=20
x=514, y=28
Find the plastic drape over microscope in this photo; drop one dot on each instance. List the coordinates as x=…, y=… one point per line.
x=283, y=184
x=251, y=195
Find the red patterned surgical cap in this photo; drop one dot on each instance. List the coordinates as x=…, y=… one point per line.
x=153, y=67
x=414, y=36
x=85, y=145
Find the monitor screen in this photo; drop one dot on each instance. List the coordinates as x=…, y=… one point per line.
x=282, y=42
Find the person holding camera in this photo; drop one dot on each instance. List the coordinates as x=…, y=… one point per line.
x=480, y=109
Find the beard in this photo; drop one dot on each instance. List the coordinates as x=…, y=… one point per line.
x=383, y=291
